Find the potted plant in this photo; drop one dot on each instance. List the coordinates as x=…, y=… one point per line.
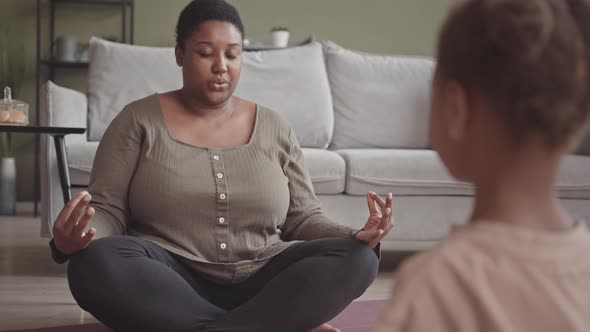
x=12, y=72
x=280, y=36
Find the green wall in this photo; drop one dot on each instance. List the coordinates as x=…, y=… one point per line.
x=381, y=26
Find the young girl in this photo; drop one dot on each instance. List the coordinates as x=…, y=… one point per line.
x=510, y=99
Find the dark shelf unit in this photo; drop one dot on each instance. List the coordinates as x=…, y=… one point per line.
x=64, y=64
x=127, y=33
x=127, y=25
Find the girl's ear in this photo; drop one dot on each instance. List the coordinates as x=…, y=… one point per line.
x=458, y=115
x=178, y=52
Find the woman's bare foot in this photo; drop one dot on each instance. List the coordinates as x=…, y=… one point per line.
x=325, y=328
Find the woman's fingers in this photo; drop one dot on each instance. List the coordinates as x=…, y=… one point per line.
x=371, y=237
x=375, y=237
x=69, y=227
x=64, y=214
x=385, y=219
x=389, y=200
x=382, y=226
x=380, y=201
x=391, y=222
x=390, y=206
x=371, y=203
x=77, y=213
x=81, y=226
x=387, y=215
x=87, y=237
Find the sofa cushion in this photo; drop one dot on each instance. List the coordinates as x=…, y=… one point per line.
x=293, y=82
x=80, y=160
x=420, y=172
x=573, y=181
x=326, y=168
x=121, y=73
x=402, y=172
x=379, y=101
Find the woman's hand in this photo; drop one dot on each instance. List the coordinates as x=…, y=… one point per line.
x=380, y=220
x=68, y=229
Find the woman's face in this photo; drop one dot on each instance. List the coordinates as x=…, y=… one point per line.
x=211, y=61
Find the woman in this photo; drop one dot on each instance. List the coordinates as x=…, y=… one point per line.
x=510, y=100
x=222, y=229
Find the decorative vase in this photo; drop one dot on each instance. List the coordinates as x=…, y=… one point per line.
x=7, y=187
x=280, y=38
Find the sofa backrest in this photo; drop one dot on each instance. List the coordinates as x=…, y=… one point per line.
x=380, y=101
x=292, y=82
x=119, y=74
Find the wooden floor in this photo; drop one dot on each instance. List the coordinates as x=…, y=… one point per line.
x=34, y=291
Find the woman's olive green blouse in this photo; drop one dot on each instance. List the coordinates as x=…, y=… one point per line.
x=224, y=212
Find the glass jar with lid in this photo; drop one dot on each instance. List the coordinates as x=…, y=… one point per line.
x=13, y=112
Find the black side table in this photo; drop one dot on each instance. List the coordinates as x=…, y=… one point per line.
x=58, y=134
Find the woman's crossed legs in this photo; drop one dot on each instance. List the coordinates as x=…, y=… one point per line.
x=131, y=284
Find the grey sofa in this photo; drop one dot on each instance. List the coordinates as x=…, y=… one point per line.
x=361, y=119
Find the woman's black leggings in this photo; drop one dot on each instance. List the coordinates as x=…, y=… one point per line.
x=131, y=284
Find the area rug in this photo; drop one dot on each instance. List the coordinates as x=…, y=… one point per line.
x=358, y=317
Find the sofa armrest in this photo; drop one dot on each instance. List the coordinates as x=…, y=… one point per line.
x=63, y=107
x=59, y=107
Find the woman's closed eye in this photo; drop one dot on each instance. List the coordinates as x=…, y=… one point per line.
x=234, y=51
x=204, y=54
x=231, y=56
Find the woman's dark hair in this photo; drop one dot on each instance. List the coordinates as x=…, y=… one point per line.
x=199, y=11
x=529, y=58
